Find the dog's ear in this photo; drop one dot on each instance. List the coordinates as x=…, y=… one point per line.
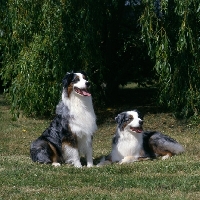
x=120, y=119
x=67, y=79
x=140, y=115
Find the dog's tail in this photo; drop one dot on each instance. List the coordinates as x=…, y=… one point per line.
x=174, y=147
x=166, y=143
x=157, y=144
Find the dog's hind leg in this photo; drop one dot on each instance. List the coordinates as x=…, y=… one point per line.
x=55, y=158
x=167, y=155
x=41, y=151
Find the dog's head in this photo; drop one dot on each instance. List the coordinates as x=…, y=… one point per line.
x=131, y=121
x=77, y=83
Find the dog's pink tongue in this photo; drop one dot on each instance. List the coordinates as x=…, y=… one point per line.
x=139, y=130
x=85, y=93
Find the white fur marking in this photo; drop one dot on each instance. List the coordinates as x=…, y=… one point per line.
x=55, y=164
x=165, y=157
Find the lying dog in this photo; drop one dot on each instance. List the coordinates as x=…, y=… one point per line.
x=130, y=143
x=70, y=132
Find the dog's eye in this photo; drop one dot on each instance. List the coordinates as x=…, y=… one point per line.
x=76, y=79
x=131, y=117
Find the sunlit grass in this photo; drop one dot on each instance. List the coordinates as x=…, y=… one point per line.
x=175, y=178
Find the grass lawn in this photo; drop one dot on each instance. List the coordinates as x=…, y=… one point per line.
x=175, y=178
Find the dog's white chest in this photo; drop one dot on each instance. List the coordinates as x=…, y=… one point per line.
x=128, y=145
x=82, y=117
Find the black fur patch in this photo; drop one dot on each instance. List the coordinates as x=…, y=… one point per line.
x=121, y=119
x=115, y=139
x=55, y=134
x=68, y=79
x=147, y=148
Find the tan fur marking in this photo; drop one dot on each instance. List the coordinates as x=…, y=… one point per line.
x=55, y=157
x=65, y=142
x=161, y=152
x=69, y=89
x=131, y=117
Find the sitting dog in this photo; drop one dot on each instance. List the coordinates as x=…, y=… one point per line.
x=70, y=133
x=130, y=143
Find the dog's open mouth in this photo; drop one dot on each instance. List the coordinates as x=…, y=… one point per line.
x=82, y=92
x=136, y=129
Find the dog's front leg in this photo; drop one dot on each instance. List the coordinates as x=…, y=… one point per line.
x=128, y=159
x=87, y=150
x=71, y=155
x=89, y=157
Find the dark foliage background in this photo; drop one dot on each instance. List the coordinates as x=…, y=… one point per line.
x=114, y=41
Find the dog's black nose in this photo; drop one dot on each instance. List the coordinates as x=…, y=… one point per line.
x=141, y=122
x=87, y=84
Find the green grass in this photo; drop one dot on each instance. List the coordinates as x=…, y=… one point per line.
x=175, y=178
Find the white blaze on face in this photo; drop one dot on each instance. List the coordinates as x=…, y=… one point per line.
x=80, y=86
x=134, y=125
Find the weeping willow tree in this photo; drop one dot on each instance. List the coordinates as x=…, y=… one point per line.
x=113, y=40
x=44, y=40
x=171, y=30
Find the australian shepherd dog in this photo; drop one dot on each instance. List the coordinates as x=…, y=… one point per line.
x=70, y=133
x=130, y=143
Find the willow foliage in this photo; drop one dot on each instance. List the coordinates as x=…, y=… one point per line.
x=113, y=40
x=171, y=30
x=44, y=40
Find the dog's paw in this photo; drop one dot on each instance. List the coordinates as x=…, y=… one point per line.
x=166, y=157
x=89, y=165
x=55, y=164
x=128, y=159
x=122, y=162
x=77, y=165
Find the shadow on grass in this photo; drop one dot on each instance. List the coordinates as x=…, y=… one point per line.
x=95, y=160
